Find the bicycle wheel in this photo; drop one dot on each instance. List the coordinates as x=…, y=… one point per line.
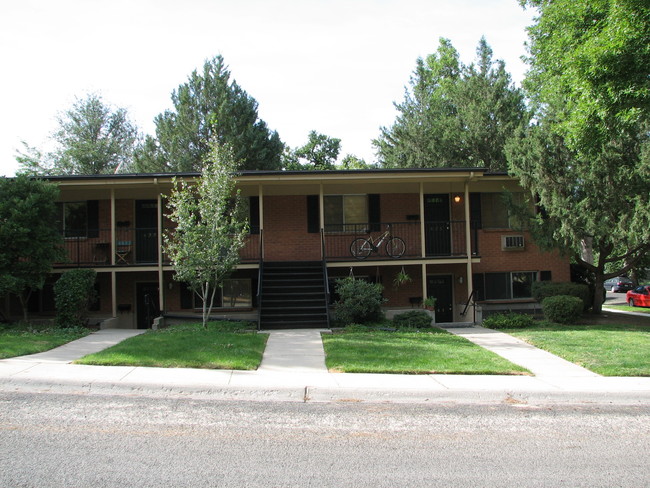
x=395, y=247
x=360, y=248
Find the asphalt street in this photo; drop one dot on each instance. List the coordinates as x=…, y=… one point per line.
x=99, y=440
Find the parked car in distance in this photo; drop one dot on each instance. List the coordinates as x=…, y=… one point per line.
x=639, y=297
x=620, y=284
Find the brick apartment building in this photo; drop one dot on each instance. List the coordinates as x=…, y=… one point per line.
x=459, y=245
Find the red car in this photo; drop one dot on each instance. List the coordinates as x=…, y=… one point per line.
x=639, y=296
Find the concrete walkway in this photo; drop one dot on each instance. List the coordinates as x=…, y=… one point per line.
x=95, y=342
x=293, y=369
x=537, y=361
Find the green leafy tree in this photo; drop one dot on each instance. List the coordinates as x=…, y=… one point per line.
x=453, y=114
x=350, y=161
x=209, y=232
x=586, y=156
x=319, y=153
x=29, y=241
x=210, y=107
x=91, y=138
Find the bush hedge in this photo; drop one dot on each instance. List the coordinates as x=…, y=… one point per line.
x=359, y=302
x=545, y=289
x=562, y=309
x=74, y=292
x=413, y=319
x=509, y=320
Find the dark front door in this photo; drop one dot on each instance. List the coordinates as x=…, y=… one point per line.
x=440, y=287
x=146, y=231
x=437, y=225
x=147, y=304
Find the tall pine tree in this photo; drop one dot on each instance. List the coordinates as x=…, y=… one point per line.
x=454, y=114
x=210, y=107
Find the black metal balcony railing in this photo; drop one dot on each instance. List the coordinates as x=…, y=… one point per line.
x=442, y=239
x=133, y=246
x=139, y=246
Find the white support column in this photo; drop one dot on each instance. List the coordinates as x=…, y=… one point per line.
x=424, y=282
x=260, y=193
x=113, y=294
x=321, y=206
x=112, y=246
x=161, y=287
x=422, y=226
x=468, y=240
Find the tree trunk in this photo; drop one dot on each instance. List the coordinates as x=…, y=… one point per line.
x=597, y=303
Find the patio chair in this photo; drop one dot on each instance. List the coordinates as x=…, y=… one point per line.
x=122, y=251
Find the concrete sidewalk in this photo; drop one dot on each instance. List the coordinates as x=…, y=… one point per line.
x=293, y=369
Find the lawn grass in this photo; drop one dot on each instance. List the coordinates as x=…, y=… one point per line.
x=20, y=339
x=606, y=349
x=627, y=308
x=435, y=351
x=221, y=346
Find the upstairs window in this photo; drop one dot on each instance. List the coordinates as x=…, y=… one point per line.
x=494, y=210
x=345, y=213
x=73, y=219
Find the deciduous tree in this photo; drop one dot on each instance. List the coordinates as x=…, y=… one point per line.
x=92, y=138
x=319, y=153
x=586, y=156
x=209, y=232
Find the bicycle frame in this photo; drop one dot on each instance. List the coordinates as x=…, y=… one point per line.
x=381, y=238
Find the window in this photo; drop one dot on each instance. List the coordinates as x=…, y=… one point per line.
x=73, y=219
x=345, y=212
x=494, y=210
x=504, y=286
x=79, y=219
x=235, y=293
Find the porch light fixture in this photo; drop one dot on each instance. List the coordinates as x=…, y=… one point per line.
x=457, y=198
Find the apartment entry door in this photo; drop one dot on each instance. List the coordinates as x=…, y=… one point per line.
x=147, y=304
x=146, y=231
x=437, y=226
x=440, y=287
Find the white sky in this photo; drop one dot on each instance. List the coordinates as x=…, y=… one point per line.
x=334, y=66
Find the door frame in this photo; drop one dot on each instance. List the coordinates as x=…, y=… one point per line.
x=140, y=255
x=429, y=244
x=138, y=286
x=451, y=284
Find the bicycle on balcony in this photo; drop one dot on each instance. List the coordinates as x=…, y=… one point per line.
x=361, y=247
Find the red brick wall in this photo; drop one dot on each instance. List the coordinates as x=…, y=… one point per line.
x=494, y=259
x=285, y=230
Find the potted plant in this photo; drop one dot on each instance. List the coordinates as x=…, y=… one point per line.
x=429, y=303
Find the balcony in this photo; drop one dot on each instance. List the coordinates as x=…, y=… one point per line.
x=442, y=240
x=133, y=247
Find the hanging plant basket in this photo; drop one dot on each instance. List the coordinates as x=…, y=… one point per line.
x=402, y=278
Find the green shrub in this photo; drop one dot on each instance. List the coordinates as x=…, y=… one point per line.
x=359, y=302
x=545, y=289
x=74, y=292
x=508, y=320
x=414, y=319
x=562, y=309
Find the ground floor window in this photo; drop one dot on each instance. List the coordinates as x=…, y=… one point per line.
x=504, y=286
x=235, y=293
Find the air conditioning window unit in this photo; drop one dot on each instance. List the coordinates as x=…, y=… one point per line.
x=512, y=243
